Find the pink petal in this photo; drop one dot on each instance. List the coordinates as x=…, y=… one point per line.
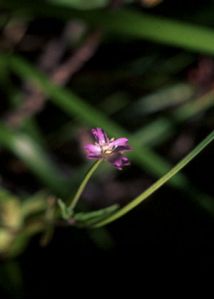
x=120, y=144
x=92, y=151
x=100, y=136
x=119, y=161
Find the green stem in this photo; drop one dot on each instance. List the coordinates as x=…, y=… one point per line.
x=74, y=200
x=118, y=214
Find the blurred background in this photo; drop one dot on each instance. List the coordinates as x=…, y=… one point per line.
x=137, y=68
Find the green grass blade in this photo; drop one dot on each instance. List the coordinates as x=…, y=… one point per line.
x=157, y=29
x=162, y=128
x=126, y=22
x=162, y=99
x=158, y=183
x=81, y=4
x=34, y=157
x=85, y=219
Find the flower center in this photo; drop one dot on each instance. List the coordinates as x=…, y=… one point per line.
x=106, y=150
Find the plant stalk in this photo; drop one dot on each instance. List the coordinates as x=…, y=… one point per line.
x=73, y=202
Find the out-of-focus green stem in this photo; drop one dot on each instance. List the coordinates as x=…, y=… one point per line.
x=33, y=155
x=73, y=202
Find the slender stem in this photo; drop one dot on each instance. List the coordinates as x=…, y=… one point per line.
x=118, y=214
x=74, y=200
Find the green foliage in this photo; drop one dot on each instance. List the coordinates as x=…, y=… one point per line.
x=81, y=4
x=34, y=156
x=88, y=219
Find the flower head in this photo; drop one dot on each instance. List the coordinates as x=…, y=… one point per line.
x=109, y=149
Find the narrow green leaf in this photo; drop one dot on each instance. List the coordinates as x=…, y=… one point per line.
x=86, y=218
x=65, y=212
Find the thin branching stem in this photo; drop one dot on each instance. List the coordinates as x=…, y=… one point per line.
x=73, y=201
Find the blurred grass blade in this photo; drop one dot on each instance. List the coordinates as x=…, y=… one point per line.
x=160, y=182
x=158, y=29
x=81, y=4
x=162, y=99
x=162, y=128
x=29, y=125
x=34, y=157
x=35, y=204
x=126, y=22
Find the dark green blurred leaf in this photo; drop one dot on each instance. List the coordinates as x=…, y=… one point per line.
x=81, y=4
x=24, y=147
x=127, y=23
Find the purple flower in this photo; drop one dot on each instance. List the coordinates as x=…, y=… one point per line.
x=109, y=149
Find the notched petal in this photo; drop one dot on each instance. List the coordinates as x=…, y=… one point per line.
x=119, y=161
x=92, y=151
x=100, y=136
x=120, y=145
